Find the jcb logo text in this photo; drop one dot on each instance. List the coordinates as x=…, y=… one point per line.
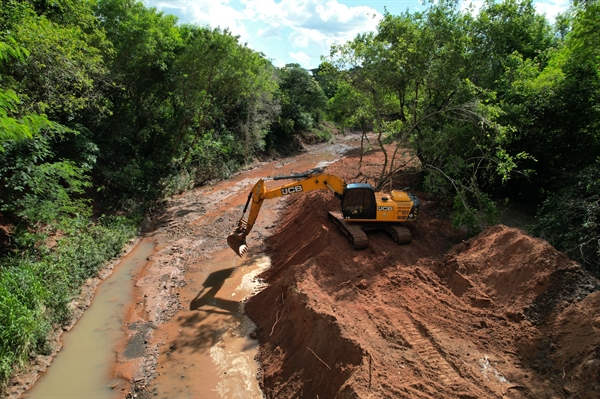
x=384, y=208
x=291, y=190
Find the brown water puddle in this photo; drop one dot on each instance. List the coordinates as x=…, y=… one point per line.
x=210, y=352
x=82, y=367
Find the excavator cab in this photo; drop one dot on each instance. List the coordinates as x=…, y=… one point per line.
x=358, y=201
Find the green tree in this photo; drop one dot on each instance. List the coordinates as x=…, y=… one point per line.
x=38, y=189
x=64, y=66
x=569, y=216
x=15, y=124
x=565, y=100
x=224, y=100
x=505, y=28
x=303, y=105
x=194, y=91
x=131, y=139
x=358, y=101
x=327, y=75
x=418, y=73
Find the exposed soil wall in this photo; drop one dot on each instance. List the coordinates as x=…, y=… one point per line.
x=502, y=315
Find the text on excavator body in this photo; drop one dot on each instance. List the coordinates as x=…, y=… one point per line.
x=291, y=190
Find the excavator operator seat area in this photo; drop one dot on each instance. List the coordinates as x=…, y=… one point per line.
x=358, y=202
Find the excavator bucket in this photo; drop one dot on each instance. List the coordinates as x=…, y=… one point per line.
x=237, y=242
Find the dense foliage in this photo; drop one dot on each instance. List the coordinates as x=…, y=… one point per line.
x=36, y=287
x=497, y=105
x=108, y=106
x=302, y=103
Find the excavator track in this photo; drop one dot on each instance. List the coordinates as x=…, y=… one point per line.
x=400, y=234
x=354, y=233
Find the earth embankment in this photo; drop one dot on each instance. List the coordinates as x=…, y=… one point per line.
x=501, y=315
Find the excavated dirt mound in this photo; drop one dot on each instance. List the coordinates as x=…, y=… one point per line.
x=502, y=315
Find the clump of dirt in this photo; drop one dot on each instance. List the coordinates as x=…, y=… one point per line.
x=502, y=315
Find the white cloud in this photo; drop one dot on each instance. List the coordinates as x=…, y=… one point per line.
x=302, y=37
x=214, y=13
x=301, y=57
x=310, y=25
x=316, y=22
x=551, y=8
x=270, y=31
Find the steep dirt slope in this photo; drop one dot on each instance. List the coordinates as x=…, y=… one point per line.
x=499, y=315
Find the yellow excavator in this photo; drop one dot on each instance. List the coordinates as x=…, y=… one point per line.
x=362, y=208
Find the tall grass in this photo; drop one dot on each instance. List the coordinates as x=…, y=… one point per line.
x=36, y=286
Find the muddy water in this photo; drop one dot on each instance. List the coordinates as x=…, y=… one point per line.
x=211, y=354
x=82, y=367
x=204, y=350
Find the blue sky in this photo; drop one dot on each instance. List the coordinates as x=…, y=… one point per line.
x=301, y=30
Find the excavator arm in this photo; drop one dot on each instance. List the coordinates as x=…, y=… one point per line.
x=309, y=181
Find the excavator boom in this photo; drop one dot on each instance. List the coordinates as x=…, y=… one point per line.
x=309, y=181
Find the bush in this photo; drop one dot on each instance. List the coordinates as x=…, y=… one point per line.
x=569, y=218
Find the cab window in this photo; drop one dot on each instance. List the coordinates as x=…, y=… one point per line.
x=359, y=203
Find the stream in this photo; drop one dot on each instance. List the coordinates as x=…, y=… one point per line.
x=169, y=321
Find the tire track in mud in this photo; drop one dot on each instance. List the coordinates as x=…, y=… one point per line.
x=421, y=347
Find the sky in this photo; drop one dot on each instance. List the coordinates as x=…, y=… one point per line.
x=301, y=31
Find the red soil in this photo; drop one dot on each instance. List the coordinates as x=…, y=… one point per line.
x=501, y=315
